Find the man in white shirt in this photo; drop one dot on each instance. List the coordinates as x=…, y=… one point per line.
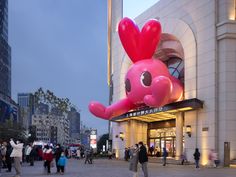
x=17, y=155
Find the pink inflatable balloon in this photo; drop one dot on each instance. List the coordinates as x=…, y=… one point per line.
x=139, y=45
x=147, y=81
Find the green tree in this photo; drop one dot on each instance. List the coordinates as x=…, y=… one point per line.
x=10, y=129
x=48, y=97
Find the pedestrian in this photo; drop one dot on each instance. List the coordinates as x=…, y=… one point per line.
x=58, y=152
x=91, y=155
x=183, y=157
x=78, y=153
x=133, y=166
x=87, y=154
x=27, y=151
x=66, y=153
x=62, y=163
x=48, y=157
x=164, y=155
x=126, y=154
x=17, y=155
x=197, y=157
x=109, y=154
x=151, y=149
x=8, y=157
x=143, y=158
x=213, y=158
x=3, y=153
x=32, y=154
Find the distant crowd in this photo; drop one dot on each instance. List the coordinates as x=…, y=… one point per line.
x=14, y=152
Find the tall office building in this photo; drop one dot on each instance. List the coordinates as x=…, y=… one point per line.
x=74, y=118
x=5, y=51
x=27, y=108
x=8, y=107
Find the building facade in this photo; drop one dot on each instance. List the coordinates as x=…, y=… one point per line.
x=198, y=45
x=74, y=118
x=26, y=108
x=51, y=128
x=5, y=51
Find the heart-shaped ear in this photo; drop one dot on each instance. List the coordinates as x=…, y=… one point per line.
x=139, y=45
x=129, y=36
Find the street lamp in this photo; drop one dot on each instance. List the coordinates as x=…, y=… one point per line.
x=122, y=136
x=188, y=130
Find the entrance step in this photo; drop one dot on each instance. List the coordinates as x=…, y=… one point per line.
x=233, y=162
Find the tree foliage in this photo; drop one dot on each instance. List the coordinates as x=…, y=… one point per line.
x=49, y=98
x=10, y=129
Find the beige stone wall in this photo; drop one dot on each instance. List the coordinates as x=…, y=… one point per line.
x=210, y=68
x=192, y=22
x=226, y=44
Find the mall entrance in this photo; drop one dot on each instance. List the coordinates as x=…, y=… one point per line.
x=162, y=134
x=162, y=138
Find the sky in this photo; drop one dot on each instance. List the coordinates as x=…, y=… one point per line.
x=61, y=45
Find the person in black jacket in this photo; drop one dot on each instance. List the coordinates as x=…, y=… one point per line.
x=143, y=158
x=197, y=157
x=58, y=152
x=8, y=158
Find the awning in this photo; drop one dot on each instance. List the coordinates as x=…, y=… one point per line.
x=162, y=113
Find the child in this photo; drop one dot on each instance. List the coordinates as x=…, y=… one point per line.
x=62, y=163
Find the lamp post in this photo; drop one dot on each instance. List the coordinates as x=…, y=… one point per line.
x=188, y=130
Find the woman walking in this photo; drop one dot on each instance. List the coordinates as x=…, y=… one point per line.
x=197, y=157
x=48, y=157
x=133, y=166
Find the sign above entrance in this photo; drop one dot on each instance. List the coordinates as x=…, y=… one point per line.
x=148, y=81
x=162, y=113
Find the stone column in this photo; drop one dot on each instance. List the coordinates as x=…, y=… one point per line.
x=133, y=132
x=179, y=134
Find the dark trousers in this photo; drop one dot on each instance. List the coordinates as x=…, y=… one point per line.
x=31, y=160
x=164, y=161
x=197, y=163
x=9, y=163
x=61, y=169
x=58, y=167
x=47, y=164
x=27, y=158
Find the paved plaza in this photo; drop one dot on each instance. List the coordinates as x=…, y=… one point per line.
x=117, y=168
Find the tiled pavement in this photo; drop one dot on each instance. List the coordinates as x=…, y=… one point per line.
x=117, y=168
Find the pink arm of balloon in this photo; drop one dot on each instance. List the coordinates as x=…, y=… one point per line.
x=115, y=109
x=177, y=91
x=161, y=92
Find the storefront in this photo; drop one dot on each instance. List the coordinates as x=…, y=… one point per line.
x=162, y=135
x=164, y=126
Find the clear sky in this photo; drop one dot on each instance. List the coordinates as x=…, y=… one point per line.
x=61, y=45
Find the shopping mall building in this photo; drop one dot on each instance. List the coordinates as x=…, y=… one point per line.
x=198, y=44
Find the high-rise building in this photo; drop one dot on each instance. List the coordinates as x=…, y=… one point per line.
x=27, y=108
x=74, y=117
x=5, y=51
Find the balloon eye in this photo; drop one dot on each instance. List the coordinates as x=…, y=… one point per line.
x=146, y=79
x=127, y=85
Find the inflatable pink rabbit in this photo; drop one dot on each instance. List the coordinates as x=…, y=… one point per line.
x=147, y=81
